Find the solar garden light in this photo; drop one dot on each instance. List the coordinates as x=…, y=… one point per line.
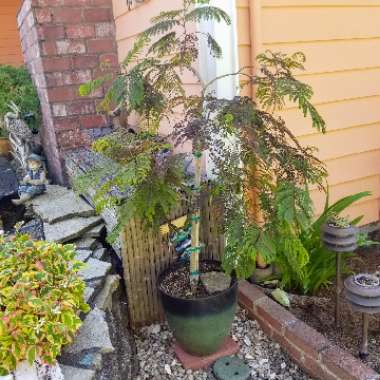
x=362, y=292
x=340, y=237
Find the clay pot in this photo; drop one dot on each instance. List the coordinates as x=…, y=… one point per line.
x=5, y=147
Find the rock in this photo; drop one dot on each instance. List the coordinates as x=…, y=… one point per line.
x=87, y=243
x=94, y=270
x=69, y=229
x=93, y=335
x=281, y=297
x=8, y=183
x=88, y=293
x=83, y=254
x=100, y=253
x=73, y=373
x=95, y=232
x=34, y=229
x=215, y=281
x=59, y=203
x=103, y=300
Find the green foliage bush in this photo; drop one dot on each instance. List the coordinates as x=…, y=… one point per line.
x=41, y=296
x=16, y=86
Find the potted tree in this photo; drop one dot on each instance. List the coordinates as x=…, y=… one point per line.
x=238, y=134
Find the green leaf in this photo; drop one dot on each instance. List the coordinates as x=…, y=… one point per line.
x=31, y=354
x=207, y=13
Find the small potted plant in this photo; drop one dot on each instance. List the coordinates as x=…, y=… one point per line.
x=198, y=298
x=41, y=297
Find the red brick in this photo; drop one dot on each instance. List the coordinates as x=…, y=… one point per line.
x=59, y=109
x=275, y=314
x=85, y=62
x=316, y=369
x=105, y=45
x=76, y=77
x=70, y=47
x=67, y=15
x=105, y=29
x=109, y=59
x=293, y=351
x=56, y=64
x=49, y=48
x=100, y=2
x=71, y=139
x=76, y=2
x=51, y=32
x=345, y=366
x=81, y=108
x=249, y=294
x=97, y=15
x=50, y=3
x=93, y=121
x=80, y=31
x=44, y=15
x=229, y=348
x=61, y=94
x=306, y=338
x=66, y=123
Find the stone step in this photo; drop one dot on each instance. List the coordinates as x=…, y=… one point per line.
x=95, y=232
x=88, y=243
x=70, y=229
x=100, y=253
x=94, y=270
x=73, y=373
x=83, y=254
x=59, y=203
x=92, y=335
x=103, y=300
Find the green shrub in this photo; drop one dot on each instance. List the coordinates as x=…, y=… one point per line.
x=16, y=85
x=41, y=296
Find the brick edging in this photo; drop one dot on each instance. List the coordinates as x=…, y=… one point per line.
x=314, y=353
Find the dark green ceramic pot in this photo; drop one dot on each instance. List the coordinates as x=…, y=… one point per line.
x=200, y=325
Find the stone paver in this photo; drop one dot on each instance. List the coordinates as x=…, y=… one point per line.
x=100, y=253
x=103, y=300
x=68, y=230
x=95, y=232
x=95, y=269
x=88, y=293
x=83, y=254
x=85, y=243
x=215, y=281
x=59, y=203
x=93, y=334
x=73, y=373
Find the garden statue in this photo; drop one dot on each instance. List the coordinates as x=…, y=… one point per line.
x=34, y=183
x=20, y=135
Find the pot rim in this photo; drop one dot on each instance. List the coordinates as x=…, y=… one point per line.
x=234, y=283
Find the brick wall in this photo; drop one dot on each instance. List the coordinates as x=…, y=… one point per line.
x=64, y=43
x=315, y=354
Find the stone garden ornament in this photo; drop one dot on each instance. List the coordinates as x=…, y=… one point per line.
x=20, y=135
x=34, y=183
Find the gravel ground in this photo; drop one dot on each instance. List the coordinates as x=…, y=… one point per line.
x=267, y=361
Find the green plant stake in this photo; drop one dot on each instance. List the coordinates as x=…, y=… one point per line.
x=195, y=230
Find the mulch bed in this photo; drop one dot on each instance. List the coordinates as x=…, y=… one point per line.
x=322, y=317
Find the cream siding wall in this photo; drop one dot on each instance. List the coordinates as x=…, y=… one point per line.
x=10, y=46
x=341, y=40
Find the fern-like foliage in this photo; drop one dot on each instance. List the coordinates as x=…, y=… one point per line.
x=251, y=147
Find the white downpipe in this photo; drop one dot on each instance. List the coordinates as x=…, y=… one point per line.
x=210, y=67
